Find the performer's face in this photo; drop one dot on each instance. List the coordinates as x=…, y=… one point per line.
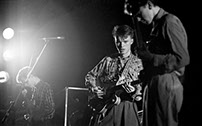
x=145, y=14
x=123, y=44
x=32, y=81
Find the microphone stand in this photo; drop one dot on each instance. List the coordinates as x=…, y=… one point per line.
x=13, y=103
x=37, y=59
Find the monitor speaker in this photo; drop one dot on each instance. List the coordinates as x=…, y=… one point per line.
x=72, y=107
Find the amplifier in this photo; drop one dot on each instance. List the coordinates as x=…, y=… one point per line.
x=72, y=107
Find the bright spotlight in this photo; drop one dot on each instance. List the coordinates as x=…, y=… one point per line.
x=4, y=76
x=8, y=33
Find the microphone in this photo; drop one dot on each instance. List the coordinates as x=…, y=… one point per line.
x=53, y=38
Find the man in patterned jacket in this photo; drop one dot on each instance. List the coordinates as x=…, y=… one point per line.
x=114, y=83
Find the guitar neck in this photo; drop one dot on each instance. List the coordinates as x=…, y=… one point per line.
x=118, y=87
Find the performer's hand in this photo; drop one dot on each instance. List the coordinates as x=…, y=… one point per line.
x=24, y=92
x=128, y=88
x=98, y=91
x=116, y=100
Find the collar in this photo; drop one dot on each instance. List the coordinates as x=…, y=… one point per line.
x=124, y=58
x=159, y=15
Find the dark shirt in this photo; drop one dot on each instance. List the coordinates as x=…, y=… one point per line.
x=36, y=106
x=168, y=44
x=44, y=103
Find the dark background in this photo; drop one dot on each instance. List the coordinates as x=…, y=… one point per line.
x=86, y=26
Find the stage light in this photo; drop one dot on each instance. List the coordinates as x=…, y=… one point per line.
x=4, y=76
x=8, y=33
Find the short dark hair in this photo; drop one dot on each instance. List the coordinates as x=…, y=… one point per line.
x=135, y=4
x=122, y=31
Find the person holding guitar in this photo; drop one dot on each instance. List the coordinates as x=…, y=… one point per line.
x=165, y=57
x=35, y=106
x=115, y=85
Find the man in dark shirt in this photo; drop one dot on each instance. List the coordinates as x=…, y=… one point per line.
x=165, y=57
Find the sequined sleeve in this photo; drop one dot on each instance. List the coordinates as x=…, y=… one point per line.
x=91, y=77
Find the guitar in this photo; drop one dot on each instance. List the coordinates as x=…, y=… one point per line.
x=98, y=105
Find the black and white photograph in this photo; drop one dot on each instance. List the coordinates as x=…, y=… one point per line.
x=99, y=63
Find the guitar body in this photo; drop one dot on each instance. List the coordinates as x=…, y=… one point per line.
x=98, y=104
